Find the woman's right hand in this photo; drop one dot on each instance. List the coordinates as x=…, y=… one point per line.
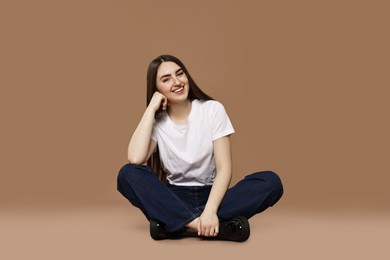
x=158, y=100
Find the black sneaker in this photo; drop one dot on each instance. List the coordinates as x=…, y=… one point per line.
x=158, y=232
x=236, y=229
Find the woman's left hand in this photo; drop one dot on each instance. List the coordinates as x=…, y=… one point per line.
x=208, y=224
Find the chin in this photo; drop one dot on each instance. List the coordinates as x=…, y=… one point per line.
x=180, y=99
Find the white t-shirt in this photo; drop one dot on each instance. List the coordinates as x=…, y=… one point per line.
x=186, y=150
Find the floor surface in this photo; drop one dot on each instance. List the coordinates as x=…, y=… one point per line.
x=121, y=232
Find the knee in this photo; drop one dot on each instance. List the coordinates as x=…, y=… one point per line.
x=275, y=181
x=131, y=172
x=271, y=180
x=276, y=187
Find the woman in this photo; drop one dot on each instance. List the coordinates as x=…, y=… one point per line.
x=184, y=135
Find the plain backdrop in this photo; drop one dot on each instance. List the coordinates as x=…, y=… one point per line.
x=305, y=83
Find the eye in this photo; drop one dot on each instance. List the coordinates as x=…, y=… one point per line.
x=180, y=73
x=165, y=80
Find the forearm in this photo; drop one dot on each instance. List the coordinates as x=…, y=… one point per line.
x=139, y=142
x=220, y=186
x=223, y=164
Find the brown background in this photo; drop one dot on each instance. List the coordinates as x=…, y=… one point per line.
x=306, y=85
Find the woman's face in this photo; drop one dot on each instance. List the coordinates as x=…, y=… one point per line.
x=172, y=82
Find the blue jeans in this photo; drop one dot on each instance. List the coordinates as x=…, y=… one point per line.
x=175, y=206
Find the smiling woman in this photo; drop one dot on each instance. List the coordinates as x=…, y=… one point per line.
x=172, y=83
x=184, y=136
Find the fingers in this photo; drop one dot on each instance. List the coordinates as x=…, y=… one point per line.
x=163, y=100
x=212, y=232
x=199, y=228
x=164, y=103
x=159, y=101
x=207, y=230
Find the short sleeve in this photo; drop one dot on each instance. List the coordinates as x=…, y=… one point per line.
x=220, y=122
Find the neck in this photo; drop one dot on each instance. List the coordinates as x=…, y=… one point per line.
x=179, y=111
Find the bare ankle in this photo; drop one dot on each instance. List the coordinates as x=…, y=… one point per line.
x=193, y=224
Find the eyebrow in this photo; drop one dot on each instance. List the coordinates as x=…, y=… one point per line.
x=166, y=75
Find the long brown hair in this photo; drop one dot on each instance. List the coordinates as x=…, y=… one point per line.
x=194, y=93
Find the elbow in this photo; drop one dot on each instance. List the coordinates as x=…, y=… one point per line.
x=135, y=160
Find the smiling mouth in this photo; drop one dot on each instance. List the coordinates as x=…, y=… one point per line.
x=178, y=90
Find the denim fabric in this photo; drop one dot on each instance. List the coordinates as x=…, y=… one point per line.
x=176, y=206
x=194, y=196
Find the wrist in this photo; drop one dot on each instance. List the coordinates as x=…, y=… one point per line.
x=210, y=209
x=151, y=110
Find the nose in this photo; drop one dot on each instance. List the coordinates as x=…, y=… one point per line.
x=176, y=81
